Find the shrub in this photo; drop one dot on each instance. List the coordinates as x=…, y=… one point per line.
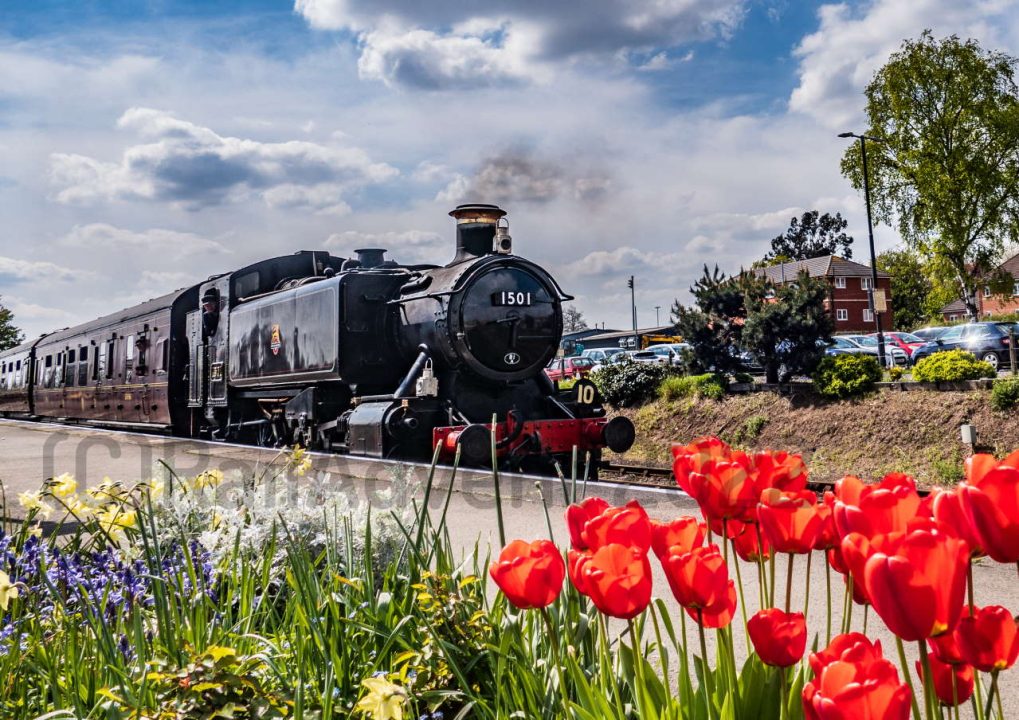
x=1005, y=394
x=630, y=383
x=895, y=373
x=952, y=366
x=705, y=386
x=842, y=376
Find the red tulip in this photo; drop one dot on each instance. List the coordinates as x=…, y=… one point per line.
x=594, y=524
x=575, y=559
x=698, y=578
x=748, y=545
x=853, y=680
x=828, y=535
x=626, y=525
x=989, y=639
x=778, y=637
x=780, y=470
x=720, y=614
x=947, y=509
x=577, y=517
x=685, y=533
x=789, y=520
x=916, y=582
x=530, y=574
x=724, y=490
x=617, y=578
x=946, y=647
x=885, y=507
x=942, y=674
x=691, y=458
x=990, y=499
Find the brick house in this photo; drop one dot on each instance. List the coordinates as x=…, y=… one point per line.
x=850, y=286
x=988, y=304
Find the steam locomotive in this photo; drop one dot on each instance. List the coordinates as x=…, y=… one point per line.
x=359, y=355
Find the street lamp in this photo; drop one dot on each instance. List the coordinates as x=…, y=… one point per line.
x=657, y=321
x=870, y=232
x=633, y=312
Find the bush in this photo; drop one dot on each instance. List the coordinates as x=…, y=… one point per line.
x=842, y=376
x=630, y=383
x=1005, y=394
x=895, y=373
x=708, y=385
x=952, y=366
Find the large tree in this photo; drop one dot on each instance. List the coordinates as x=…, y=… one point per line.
x=911, y=287
x=573, y=319
x=10, y=335
x=714, y=324
x=809, y=236
x=787, y=324
x=944, y=159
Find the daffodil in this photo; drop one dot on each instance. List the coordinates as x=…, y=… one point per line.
x=209, y=478
x=106, y=490
x=33, y=501
x=300, y=461
x=114, y=519
x=156, y=488
x=384, y=700
x=64, y=486
x=8, y=590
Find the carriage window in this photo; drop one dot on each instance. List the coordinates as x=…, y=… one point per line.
x=246, y=285
x=95, y=364
x=130, y=347
x=84, y=354
x=162, y=355
x=70, y=356
x=49, y=361
x=109, y=358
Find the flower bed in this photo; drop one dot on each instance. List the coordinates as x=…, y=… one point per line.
x=184, y=598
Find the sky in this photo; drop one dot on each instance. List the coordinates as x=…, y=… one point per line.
x=145, y=145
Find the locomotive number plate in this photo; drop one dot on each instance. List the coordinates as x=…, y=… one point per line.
x=511, y=298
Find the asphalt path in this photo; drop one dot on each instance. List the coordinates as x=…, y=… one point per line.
x=32, y=452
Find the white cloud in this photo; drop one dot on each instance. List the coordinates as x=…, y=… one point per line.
x=193, y=166
x=157, y=282
x=39, y=271
x=840, y=58
x=408, y=246
x=103, y=235
x=449, y=43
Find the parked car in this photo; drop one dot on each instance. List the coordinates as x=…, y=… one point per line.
x=840, y=345
x=600, y=355
x=931, y=334
x=668, y=353
x=908, y=342
x=571, y=367
x=897, y=354
x=987, y=340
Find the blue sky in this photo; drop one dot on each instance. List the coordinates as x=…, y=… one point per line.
x=144, y=145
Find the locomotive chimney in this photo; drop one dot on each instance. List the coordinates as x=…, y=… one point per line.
x=370, y=257
x=475, y=230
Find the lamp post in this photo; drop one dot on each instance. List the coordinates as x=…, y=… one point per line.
x=657, y=308
x=633, y=312
x=870, y=233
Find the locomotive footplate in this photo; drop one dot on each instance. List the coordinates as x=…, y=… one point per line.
x=534, y=437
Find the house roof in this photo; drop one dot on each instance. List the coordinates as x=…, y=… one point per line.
x=824, y=266
x=956, y=306
x=660, y=330
x=1011, y=266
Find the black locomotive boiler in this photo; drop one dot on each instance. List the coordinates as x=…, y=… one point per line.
x=360, y=355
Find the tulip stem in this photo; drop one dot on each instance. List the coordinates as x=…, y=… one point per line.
x=969, y=587
x=760, y=564
x=866, y=617
x=771, y=582
x=789, y=583
x=806, y=601
x=663, y=656
x=742, y=600
x=704, y=663
x=928, y=680
x=827, y=587
x=955, y=695
x=638, y=671
x=847, y=606
x=990, y=695
x=783, y=710
x=908, y=675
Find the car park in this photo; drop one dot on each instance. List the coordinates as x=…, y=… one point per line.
x=668, y=353
x=907, y=342
x=987, y=340
x=600, y=355
x=931, y=334
x=571, y=367
x=840, y=345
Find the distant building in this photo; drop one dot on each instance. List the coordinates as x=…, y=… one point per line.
x=850, y=285
x=625, y=338
x=574, y=343
x=988, y=303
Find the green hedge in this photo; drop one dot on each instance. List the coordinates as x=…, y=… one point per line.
x=1005, y=394
x=842, y=376
x=708, y=385
x=952, y=366
x=631, y=383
